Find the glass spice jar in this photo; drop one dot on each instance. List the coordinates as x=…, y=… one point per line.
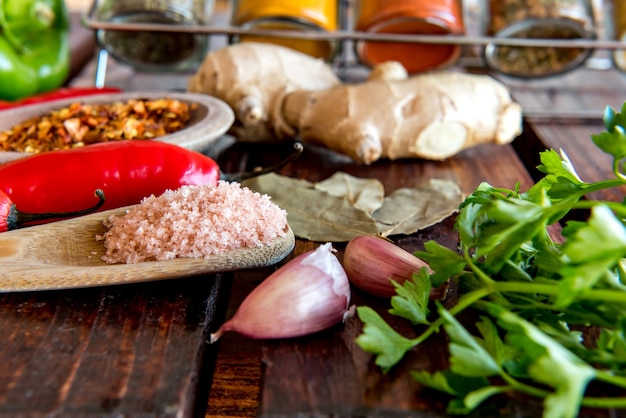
x=295, y=15
x=538, y=19
x=154, y=51
x=434, y=17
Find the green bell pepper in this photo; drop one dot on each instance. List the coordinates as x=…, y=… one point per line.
x=34, y=47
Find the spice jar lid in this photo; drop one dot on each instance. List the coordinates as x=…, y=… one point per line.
x=326, y=50
x=538, y=61
x=322, y=15
x=415, y=57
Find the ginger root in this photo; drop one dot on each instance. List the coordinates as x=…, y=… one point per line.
x=432, y=116
x=279, y=93
x=253, y=78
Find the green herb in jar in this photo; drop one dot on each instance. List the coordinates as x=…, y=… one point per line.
x=538, y=19
x=149, y=48
x=537, y=60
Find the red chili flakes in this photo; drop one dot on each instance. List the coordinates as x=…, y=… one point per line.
x=82, y=124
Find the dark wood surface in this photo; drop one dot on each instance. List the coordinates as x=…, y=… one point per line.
x=131, y=350
x=141, y=350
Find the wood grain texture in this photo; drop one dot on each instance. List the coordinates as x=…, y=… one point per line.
x=235, y=386
x=132, y=350
x=583, y=90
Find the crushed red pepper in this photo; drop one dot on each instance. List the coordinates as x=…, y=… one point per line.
x=80, y=124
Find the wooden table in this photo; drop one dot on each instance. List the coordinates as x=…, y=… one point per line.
x=141, y=350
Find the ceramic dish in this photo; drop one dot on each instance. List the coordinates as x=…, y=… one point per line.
x=208, y=122
x=66, y=254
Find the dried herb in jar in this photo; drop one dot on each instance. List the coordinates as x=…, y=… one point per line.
x=150, y=48
x=538, y=19
x=167, y=50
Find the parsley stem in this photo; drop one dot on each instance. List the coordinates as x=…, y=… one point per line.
x=609, y=377
x=603, y=402
x=588, y=401
x=616, y=170
x=522, y=387
x=616, y=207
x=604, y=184
x=592, y=402
x=477, y=271
x=465, y=301
x=602, y=295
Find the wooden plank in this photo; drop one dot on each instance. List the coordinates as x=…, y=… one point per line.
x=235, y=384
x=131, y=350
x=583, y=90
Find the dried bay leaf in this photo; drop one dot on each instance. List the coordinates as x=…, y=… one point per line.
x=409, y=210
x=314, y=214
x=365, y=194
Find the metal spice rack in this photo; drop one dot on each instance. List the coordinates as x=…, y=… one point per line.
x=345, y=37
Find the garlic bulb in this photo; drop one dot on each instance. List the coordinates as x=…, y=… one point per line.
x=372, y=262
x=308, y=294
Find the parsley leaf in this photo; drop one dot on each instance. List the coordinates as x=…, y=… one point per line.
x=568, y=374
x=411, y=301
x=445, y=262
x=467, y=356
x=379, y=338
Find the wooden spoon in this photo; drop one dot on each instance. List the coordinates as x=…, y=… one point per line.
x=66, y=254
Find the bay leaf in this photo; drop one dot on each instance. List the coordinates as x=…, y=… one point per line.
x=314, y=214
x=409, y=210
x=365, y=194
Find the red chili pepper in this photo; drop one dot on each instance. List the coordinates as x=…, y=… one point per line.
x=62, y=93
x=11, y=218
x=127, y=172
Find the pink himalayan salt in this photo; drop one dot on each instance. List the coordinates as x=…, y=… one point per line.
x=193, y=222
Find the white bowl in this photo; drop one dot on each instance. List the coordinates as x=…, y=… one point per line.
x=209, y=121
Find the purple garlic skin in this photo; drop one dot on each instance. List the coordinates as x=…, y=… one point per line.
x=308, y=294
x=372, y=262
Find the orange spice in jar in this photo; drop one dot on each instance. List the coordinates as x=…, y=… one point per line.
x=417, y=17
x=294, y=15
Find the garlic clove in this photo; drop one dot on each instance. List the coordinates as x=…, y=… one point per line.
x=371, y=263
x=308, y=294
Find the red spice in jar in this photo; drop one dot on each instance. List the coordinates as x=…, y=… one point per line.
x=433, y=17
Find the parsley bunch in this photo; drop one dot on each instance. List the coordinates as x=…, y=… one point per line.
x=534, y=296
